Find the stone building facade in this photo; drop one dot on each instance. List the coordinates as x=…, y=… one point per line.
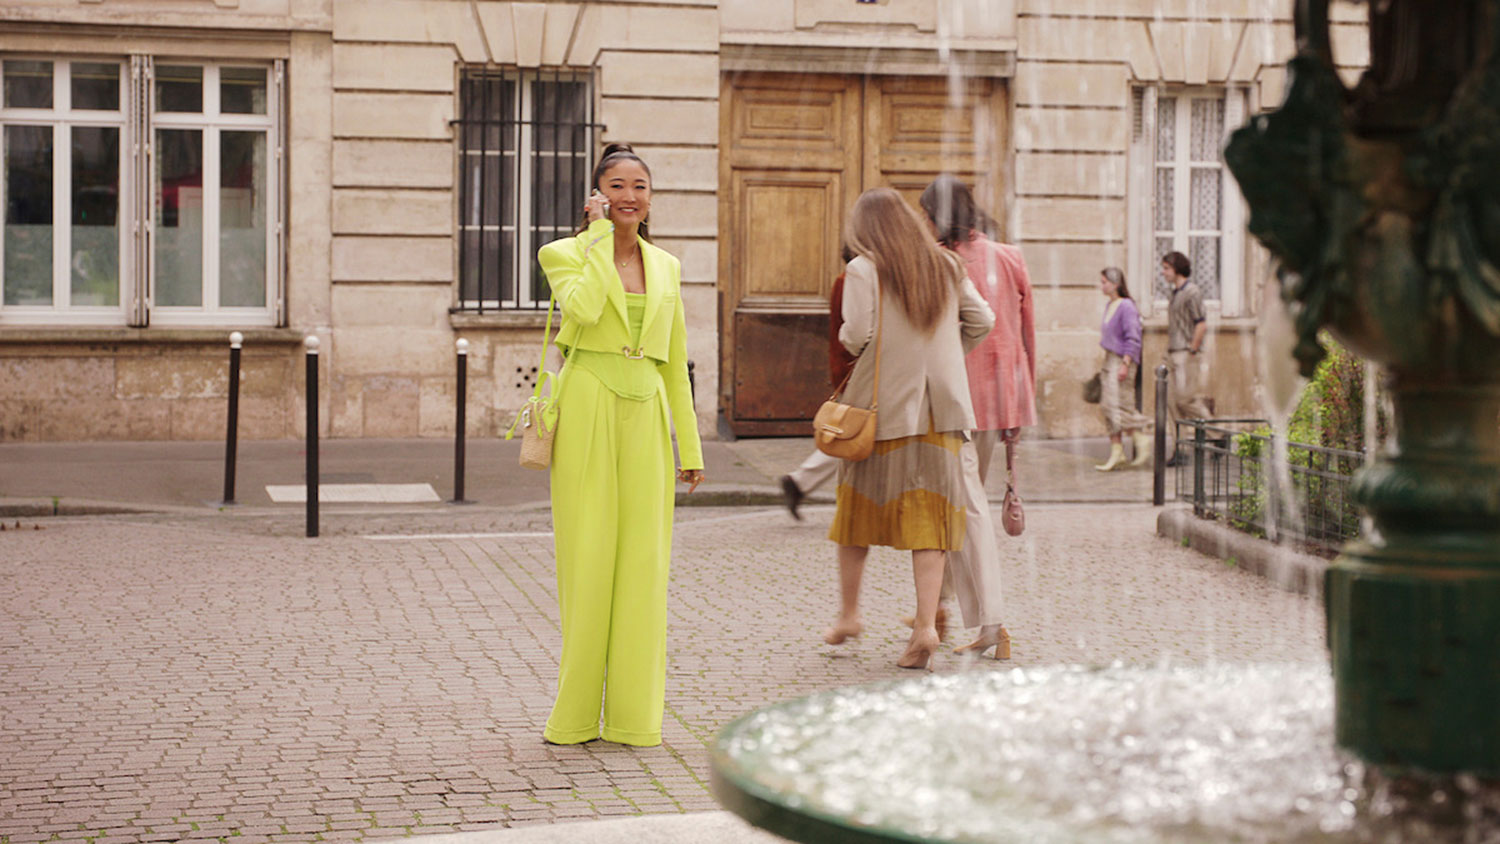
x=380, y=172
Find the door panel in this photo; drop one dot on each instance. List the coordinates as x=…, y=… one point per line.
x=799, y=213
x=795, y=152
x=918, y=127
x=779, y=382
x=789, y=169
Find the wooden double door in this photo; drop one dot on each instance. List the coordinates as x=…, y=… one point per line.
x=796, y=150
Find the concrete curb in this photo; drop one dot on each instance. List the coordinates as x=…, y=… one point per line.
x=37, y=507
x=694, y=828
x=1291, y=570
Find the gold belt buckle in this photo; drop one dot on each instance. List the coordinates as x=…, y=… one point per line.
x=632, y=355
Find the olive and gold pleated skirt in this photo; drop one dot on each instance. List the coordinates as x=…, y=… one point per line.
x=908, y=494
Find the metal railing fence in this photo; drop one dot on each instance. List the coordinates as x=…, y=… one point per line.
x=1225, y=468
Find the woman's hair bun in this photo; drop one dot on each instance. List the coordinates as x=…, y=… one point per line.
x=617, y=146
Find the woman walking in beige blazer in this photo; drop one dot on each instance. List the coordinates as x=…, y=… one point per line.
x=909, y=494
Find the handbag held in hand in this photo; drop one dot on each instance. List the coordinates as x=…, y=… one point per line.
x=843, y=430
x=1012, y=514
x=1093, y=390
x=539, y=418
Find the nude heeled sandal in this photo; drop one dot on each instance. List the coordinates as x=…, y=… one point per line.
x=997, y=639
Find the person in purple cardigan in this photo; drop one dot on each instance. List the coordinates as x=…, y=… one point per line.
x=1120, y=337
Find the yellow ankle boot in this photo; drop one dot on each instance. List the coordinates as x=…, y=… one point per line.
x=1143, y=447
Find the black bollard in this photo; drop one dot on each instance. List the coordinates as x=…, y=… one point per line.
x=232, y=435
x=1159, y=464
x=460, y=401
x=311, y=343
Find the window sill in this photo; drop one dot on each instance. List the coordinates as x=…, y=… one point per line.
x=95, y=335
x=500, y=320
x=1215, y=323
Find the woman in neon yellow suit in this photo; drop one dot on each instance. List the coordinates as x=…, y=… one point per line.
x=624, y=336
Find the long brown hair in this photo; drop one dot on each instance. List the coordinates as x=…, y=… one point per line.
x=911, y=267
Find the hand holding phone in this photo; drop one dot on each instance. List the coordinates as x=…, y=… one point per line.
x=597, y=206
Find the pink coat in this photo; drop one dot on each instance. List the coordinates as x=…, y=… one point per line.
x=1002, y=370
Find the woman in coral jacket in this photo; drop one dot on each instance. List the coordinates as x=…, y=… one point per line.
x=623, y=388
x=1002, y=386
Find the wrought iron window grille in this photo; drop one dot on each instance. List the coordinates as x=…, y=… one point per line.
x=526, y=142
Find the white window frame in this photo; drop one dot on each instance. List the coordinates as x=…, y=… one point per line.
x=525, y=150
x=138, y=123
x=1141, y=228
x=212, y=124
x=62, y=119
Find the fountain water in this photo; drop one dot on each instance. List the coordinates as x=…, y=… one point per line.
x=1383, y=206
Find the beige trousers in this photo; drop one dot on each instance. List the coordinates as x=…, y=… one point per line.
x=815, y=471
x=973, y=572
x=1117, y=398
x=1183, y=399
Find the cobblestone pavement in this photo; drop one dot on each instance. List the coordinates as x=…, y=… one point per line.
x=200, y=677
x=1046, y=470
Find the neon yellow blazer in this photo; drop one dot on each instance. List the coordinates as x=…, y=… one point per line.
x=581, y=270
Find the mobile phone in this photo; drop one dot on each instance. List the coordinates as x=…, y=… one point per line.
x=606, y=208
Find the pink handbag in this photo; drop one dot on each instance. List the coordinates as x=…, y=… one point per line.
x=1012, y=514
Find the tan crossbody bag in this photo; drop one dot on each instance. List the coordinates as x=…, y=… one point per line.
x=843, y=430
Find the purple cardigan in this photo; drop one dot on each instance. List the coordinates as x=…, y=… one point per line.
x=1122, y=335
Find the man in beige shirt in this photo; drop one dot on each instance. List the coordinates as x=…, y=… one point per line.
x=1187, y=326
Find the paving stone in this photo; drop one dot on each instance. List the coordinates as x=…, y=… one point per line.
x=180, y=677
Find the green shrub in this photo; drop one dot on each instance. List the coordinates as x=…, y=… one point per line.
x=1330, y=413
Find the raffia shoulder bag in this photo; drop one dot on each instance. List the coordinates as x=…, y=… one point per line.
x=843, y=430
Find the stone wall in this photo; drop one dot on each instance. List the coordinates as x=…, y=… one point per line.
x=371, y=251
x=1075, y=67
x=116, y=384
x=395, y=67
x=157, y=383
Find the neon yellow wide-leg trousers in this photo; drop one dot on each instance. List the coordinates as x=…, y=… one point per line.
x=612, y=496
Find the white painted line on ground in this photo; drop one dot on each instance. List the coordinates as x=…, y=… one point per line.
x=391, y=537
x=754, y=514
x=354, y=493
x=396, y=537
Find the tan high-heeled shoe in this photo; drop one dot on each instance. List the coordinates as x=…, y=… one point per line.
x=996, y=637
x=920, y=649
x=843, y=631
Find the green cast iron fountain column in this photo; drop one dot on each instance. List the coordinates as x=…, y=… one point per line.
x=1382, y=204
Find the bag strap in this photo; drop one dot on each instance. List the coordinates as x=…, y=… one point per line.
x=542, y=375
x=879, y=332
x=1010, y=457
x=542, y=366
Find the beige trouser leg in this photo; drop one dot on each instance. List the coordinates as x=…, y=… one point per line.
x=974, y=570
x=815, y=471
x=1183, y=401
x=984, y=448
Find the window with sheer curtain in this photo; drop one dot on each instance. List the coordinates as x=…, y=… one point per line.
x=140, y=191
x=1183, y=198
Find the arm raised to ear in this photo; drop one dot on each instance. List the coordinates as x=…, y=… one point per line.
x=579, y=286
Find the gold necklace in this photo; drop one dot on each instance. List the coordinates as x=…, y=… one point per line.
x=625, y=263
